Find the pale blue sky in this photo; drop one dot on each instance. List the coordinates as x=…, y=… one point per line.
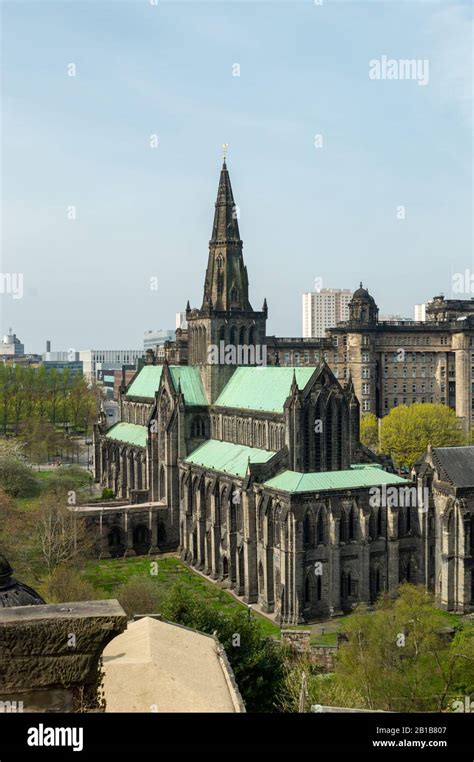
x=306, y=212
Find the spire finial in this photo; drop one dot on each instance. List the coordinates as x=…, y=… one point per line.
x=360, y=285
x=225, y=146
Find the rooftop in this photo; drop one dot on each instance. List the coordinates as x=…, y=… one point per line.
x=325, y=481
x=227, y=457
x=262, y=388
x=147, y=382
x=131, y=433
x=162, y=667
x=455, y=465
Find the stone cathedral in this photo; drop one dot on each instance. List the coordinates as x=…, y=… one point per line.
x=253, y=471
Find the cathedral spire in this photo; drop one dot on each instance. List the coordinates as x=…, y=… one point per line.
x=226, y=284
x=226, y=227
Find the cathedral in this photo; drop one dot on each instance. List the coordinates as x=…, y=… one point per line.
x=251, y=469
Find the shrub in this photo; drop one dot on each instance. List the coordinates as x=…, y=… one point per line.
x=139, y=595
x=16, y=477
x=107, y=493
x=66, y=584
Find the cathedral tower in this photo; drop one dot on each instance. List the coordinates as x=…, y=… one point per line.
x=225, y=331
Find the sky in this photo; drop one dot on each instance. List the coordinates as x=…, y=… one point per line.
x=113, y=118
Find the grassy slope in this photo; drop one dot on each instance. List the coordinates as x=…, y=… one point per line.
x=108, y=574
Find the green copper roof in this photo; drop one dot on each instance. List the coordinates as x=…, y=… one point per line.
x=227, y=457
x=293, y=481
x=146, y=382
x=262, y=388
x=128, y=432
x=191, y=384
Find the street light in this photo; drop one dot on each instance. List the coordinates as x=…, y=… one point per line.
x=88, y=443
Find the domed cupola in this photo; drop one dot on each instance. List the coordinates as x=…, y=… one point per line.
x=12, y=592
x=362, y=307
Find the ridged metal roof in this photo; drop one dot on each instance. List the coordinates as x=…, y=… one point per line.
x=227, y=457
x=324, y=481
x=262, y=388
x=131, y=433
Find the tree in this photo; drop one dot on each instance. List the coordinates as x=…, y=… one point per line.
x=6, y=393
x=407, y=431
x=258, y=663
x=16, y=478
x=400, y=658
x=41, y=439
x=62, y=535
x=322, y=688
x=16, y=531
x=369, y=431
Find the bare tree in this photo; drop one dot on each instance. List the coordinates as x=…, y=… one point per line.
x=63, y=536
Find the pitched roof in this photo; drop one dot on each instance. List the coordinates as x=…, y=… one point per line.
x=455, y=465
x=169, y=667
x=262, y=388
x=324, y=481
x=146, y=382
x=130, y=433
x=227, y=457
x=191, y=384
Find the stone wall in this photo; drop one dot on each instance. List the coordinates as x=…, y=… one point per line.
x=50, y=654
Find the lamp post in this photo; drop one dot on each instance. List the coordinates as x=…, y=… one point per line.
x=88, y=443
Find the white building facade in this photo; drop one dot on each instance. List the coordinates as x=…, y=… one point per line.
x=324, y=309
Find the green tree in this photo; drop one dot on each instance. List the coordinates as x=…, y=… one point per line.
x=16, y=478
x=407, y=431
x=41, y=439
x=6, y=394
x=54, y=384
x=258, y=663
x=369, y=431
x=321, y=688
x=400, y=658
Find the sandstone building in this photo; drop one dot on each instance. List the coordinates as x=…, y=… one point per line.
x=447, y=551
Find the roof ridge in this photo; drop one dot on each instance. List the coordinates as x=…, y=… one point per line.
x=300, y=480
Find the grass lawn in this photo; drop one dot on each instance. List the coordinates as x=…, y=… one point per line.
x=108, y=574
x=328, y=639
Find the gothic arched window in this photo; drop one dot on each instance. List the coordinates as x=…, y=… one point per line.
x=197, y=427
x=351, y=524
x=307, y=529
x=320, y=528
